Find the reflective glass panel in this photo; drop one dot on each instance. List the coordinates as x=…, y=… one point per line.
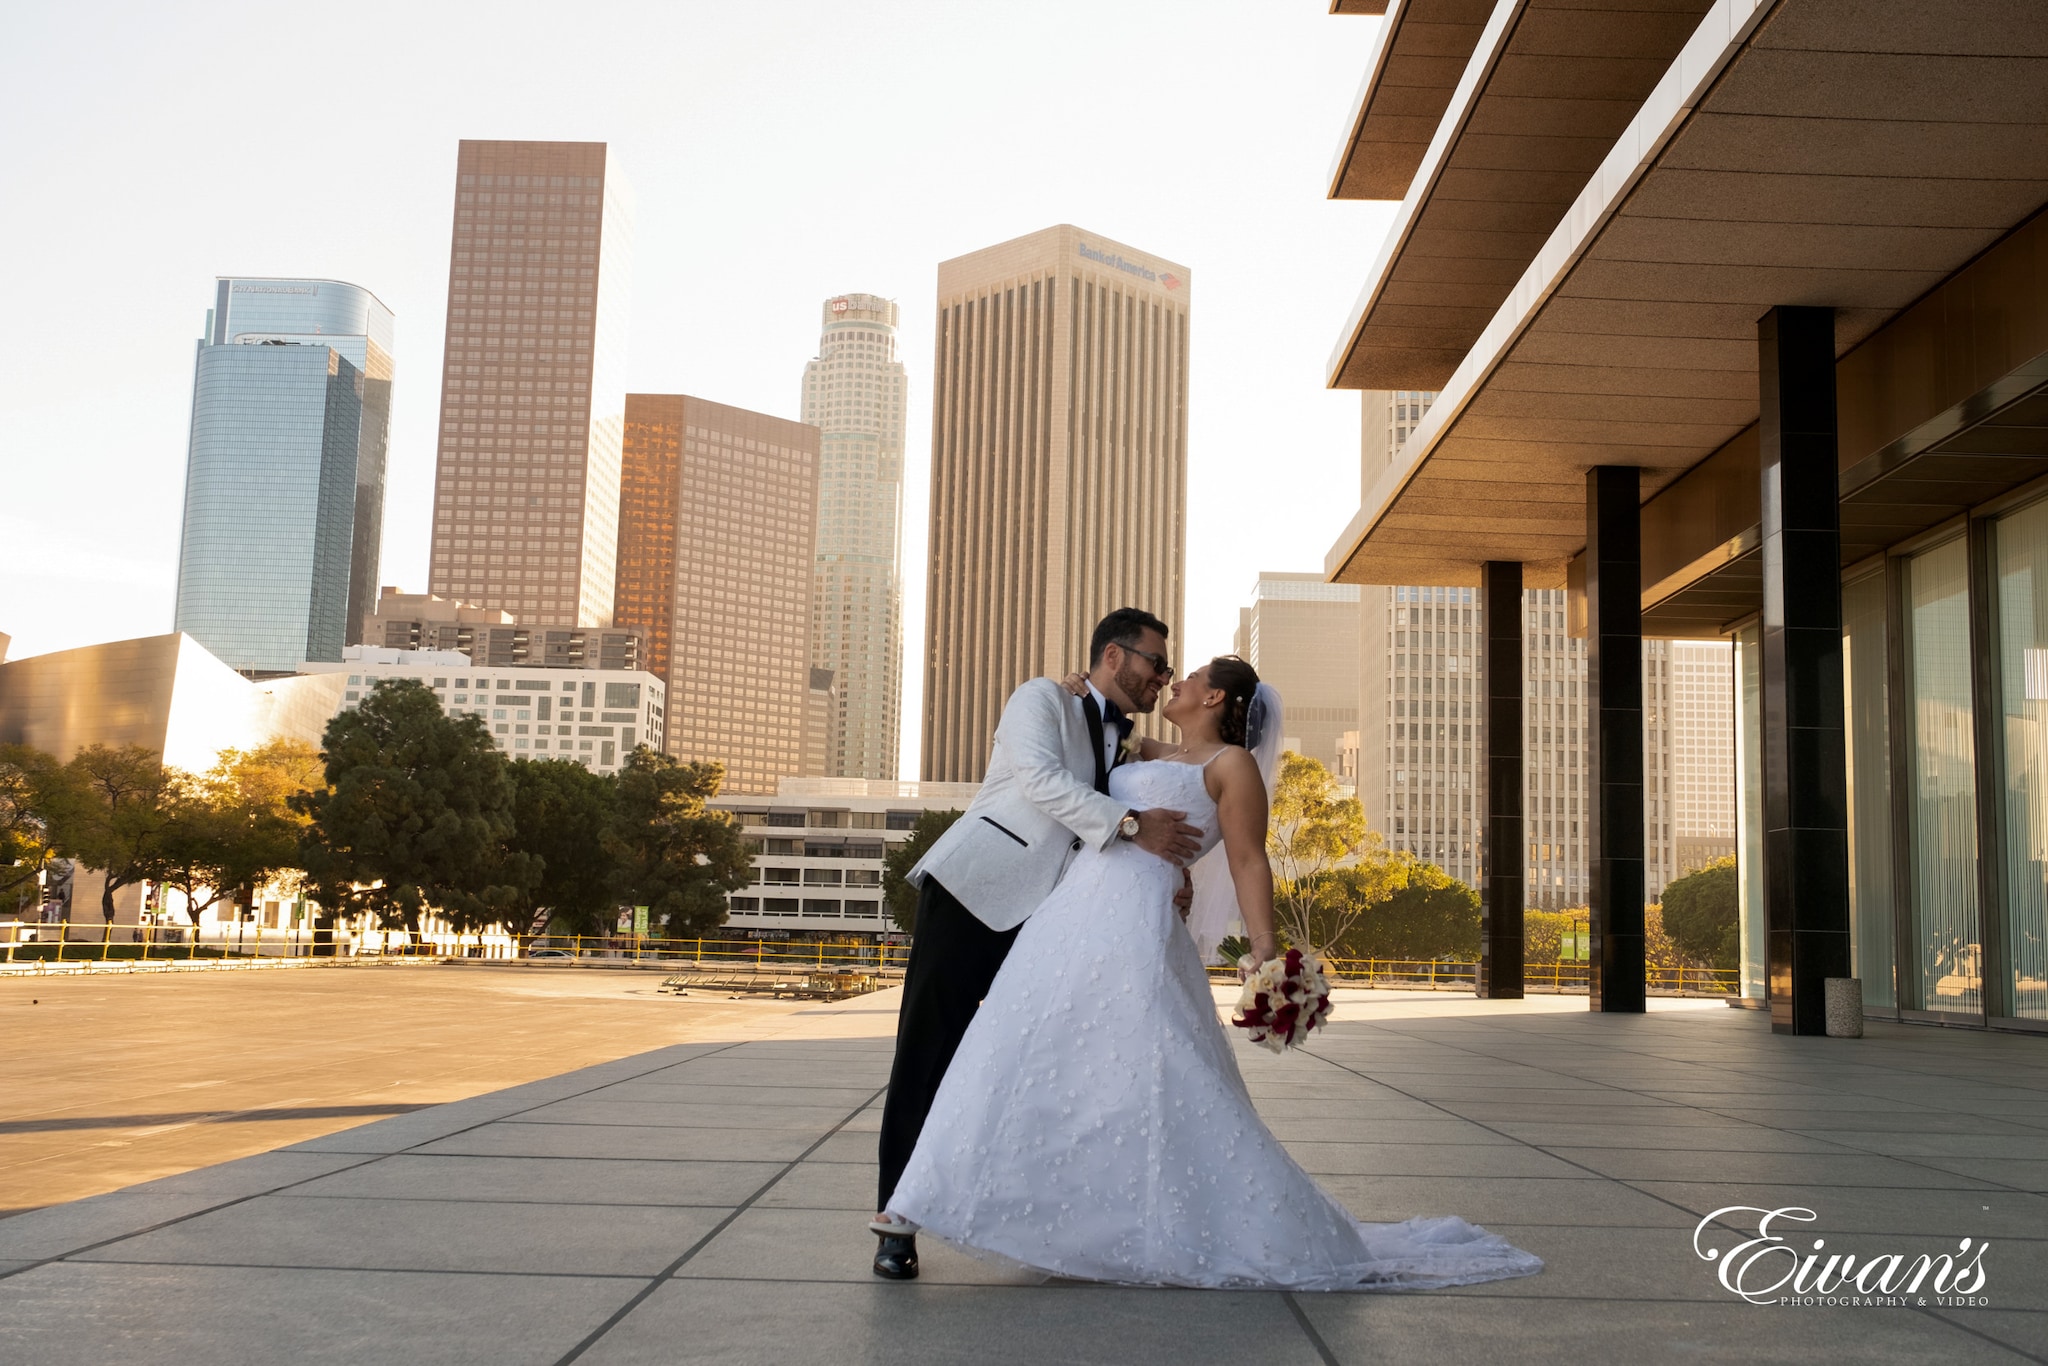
x=1749, y=807
x=2019, y=550
x=1873, y=933
x=1946, y=974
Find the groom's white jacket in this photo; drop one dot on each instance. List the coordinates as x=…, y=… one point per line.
x=1036, y=809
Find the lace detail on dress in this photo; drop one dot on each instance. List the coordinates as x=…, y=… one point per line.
x=1094, y=1123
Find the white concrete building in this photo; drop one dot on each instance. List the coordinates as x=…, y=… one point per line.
x=595, y=716
x=819, y=849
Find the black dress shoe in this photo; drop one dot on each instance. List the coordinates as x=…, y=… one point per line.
x=896, y=1258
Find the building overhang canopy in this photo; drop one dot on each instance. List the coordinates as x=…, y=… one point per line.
x=1486, y=120
x=1813, y=152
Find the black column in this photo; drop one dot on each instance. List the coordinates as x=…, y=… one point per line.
x=1503, y=893
x=1806, y=788
x=1614, y=706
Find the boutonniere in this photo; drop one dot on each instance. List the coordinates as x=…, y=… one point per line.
x=1130, y=749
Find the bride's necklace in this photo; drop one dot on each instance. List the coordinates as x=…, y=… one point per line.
x=1169, y=756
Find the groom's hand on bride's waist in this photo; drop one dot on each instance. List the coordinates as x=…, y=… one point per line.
x=1167, y=834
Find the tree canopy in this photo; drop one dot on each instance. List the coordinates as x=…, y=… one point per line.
x=234, y=830
x=563, y=816
x=1422, y=913
x=1312, y=830
x=897, y=863
x=108, y=809
x=26, y=839
x=1701, y=913
x=417, y=813
x=674, y=854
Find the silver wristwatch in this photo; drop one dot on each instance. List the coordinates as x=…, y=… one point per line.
x=1127, y=828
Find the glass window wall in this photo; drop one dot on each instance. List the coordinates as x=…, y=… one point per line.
x=2019, y=551
x=1873, y=933
x=1946, y=974
x=1749, y=807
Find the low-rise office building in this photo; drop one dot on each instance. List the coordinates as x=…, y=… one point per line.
x=595, y=718
x=819, y=845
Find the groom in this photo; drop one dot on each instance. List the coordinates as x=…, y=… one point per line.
x=1045, y=797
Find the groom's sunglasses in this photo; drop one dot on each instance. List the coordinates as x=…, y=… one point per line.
x=1160, y=668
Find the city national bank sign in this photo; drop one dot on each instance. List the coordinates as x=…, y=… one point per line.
x=1117, y=262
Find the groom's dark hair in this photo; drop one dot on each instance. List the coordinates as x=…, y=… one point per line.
x=1126, y=626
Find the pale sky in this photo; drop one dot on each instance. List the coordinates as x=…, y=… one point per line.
x=779, y=153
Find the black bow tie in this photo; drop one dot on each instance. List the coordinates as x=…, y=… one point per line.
x=1113, y=715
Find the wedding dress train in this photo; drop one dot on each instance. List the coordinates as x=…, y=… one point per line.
x=1093, y=1123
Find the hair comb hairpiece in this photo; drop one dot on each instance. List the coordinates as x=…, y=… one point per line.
x=1255, y=723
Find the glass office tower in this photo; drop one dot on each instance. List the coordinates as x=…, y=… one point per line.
x=284, y=486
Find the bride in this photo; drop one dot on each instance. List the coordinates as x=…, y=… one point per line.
x=1093, y=1123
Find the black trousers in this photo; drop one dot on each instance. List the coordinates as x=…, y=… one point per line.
x=954, y=959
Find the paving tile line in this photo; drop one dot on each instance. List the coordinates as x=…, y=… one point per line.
x=1848, y=1149
x=1933, y=1067
x=1921, y=1163
x=1928, y=1313
x=6, y=1274
x=668, y=1273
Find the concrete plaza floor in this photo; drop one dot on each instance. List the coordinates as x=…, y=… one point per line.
x=111, y=1080
x=706, y=1202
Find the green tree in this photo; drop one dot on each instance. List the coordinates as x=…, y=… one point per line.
x=27, y=776
x=416, y=814
x=676, y=855
x=563, y=816
x=1701, y=913
x=108, y=809
x=897, y=863
x=1312, y=830
x=234, y=830
x=1430, y=914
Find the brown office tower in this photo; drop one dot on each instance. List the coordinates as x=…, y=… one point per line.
x=717, y=515
x=1059, y=470
x=532, y=387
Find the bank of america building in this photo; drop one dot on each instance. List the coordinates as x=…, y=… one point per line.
x=1738, y=317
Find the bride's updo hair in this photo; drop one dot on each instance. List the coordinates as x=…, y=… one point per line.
x=1238, y=681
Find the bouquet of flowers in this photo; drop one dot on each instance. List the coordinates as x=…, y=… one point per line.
x=1283, y=999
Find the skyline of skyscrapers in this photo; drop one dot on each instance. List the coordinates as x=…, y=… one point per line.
x=1059, y=470
x=526, y=487
x=284, y=483
x=854, y=392
x=716, y=544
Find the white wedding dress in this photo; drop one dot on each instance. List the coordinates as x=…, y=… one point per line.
x=1093, y=1123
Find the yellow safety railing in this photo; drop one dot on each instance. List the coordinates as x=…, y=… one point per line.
x=1553, y=976
x=737, y=953
x=86, y=942
x=97, y=942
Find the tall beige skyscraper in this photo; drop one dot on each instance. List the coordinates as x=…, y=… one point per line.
x=854, y=393
x=526, y=494
x=1059, y=470
x=1301, y=634
x=716, y=530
